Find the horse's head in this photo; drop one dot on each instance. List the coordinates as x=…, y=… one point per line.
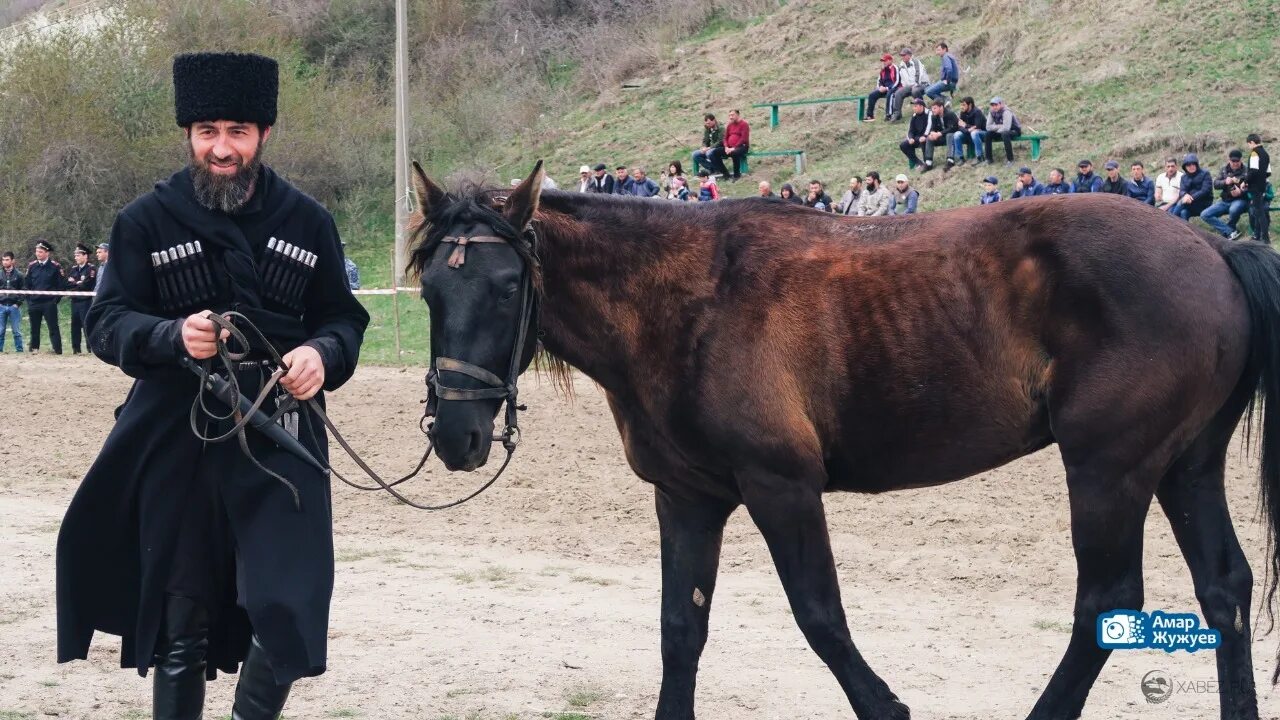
x=475, y=257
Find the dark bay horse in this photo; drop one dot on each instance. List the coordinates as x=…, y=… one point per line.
x=759, y=353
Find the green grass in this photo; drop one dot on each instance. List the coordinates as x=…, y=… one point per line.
x=343, y=713
x=1052, y=626
x=17, y=715
x=585, y=697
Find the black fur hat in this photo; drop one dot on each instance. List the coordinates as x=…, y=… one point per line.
x=225, y=86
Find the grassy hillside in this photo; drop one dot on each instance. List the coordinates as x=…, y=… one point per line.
x=1121, y=80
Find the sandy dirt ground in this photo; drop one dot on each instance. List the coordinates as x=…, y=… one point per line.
x=540, y=598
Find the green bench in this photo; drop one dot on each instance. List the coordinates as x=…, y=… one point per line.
x=861, y=100
x=798, y=155
x=1033, y=138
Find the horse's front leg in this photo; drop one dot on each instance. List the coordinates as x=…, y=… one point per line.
x=691, y=529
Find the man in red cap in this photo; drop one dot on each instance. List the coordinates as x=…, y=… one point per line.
x=886, y=85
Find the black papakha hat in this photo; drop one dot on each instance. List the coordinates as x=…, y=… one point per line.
x=225, y=86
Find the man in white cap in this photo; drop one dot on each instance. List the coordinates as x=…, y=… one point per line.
x=903, y=199
x=584, y=179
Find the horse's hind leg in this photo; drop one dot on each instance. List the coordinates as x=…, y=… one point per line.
x=789, y=513
x=1195, y=502
x=691, y=529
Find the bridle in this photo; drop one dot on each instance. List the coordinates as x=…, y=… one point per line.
x=497, y=388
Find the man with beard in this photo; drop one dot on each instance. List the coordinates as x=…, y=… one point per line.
x=205, y=556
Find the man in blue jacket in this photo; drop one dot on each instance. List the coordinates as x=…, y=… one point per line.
x=1057, y=184
x=1086, y=180
x=1140, y=187
x=1027, y=185
x=1197, y=188
x=950, y=73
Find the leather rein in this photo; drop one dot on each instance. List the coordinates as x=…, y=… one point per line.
x=496, y=388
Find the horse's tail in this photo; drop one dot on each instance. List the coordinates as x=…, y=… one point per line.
x=1257, y=267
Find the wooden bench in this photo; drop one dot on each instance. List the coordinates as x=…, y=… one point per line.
x=1033, y=138
x=746, y=168
x=861, y=100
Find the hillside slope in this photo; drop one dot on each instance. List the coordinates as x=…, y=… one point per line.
x=1122, y=80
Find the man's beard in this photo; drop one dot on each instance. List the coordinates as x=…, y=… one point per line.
x=227, y=193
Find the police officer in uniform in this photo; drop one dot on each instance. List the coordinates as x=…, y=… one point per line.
x=44, y=273
x=196, y=556
x=81, y=278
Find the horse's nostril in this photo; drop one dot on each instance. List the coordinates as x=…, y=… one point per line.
x=476, y=440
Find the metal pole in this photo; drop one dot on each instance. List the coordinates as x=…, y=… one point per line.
x=402, y=142
x=395, y=310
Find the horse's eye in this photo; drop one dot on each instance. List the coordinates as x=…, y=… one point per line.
x=510, y=292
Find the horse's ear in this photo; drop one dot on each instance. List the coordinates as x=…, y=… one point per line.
x=523, y=201
x=429, y=194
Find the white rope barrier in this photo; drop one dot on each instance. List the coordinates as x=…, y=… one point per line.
x=74, y=293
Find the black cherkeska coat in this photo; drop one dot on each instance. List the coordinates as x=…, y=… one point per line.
x=116, y=545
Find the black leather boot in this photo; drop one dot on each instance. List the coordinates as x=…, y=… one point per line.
x=258, y=697
x=178, y=678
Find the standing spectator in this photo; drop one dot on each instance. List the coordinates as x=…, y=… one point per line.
x=602, y=182
x=818, y=198
x=848, y=204
x=1086, y=180
x=679, y=189
x=44, y=273
x=641, y=185
x=950, y=74
x=707, y=188
x=584, y=179
x=1259, y=171
x=913, y=80
x=712, y=143
x=972, y=129
x=1026, y=185
x=1140, y=187
x=674, y=170
x=875, y=197
x=918, y=128
x=1113, y=183
x=1169, y=186
x=944, y=125
x=1197, y=188
x=886, y=85
x=10, y=305
x=348, y=267
x=1001, y=125
x=621, y=181
x=903, y=199
x=1057, y=184
x=82, y=277
x=103, y=253
x=990, y=191
x=766, y=190
x=788, y=194
x=1233, y=200
x=737, y=143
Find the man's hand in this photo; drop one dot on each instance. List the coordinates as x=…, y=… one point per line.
x=1185, y=199
x=306, y=372
x=198, y=336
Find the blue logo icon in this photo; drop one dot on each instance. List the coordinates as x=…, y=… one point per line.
x=1132, y=629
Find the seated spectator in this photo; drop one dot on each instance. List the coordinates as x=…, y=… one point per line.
x=903, y=199
x=788, y=194
x=875, y=197
x=737, y=143
x=1113, y=183
x=602, y=181
x=1169, y=186
x=944, y=124
x=712, y=144
x=921, y=123
x=584, y=179
x=1057, y=184
x=818, y=199
x=950, y=74
x=848, y=204
x=641, y=185
x=1140, y=187
x=1233, y=200
x=913, y=79
x=679, y=189
x=1086, y=181
x=621, y=181
x=886, y=85
x=971, y=130
x=1002, y=125
x=1026, y=185
x=990, y=191
x=707, y=188
x=1197, y=189
x=766, y=190
x=674, y=170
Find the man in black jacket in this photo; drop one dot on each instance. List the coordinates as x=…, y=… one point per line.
x=80, y=278
x=944, y=124
x=1111, y=180
x=10, y=305
x=601, y=182
x=971, y=130
x=1259, y=171
x=44, y=273
x=198, y=554
x=1233, y=199
x=918, y=129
